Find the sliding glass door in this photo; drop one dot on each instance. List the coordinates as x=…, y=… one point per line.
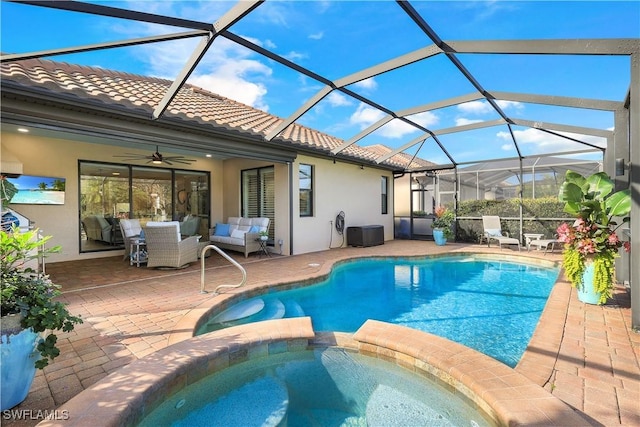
x=110, y=192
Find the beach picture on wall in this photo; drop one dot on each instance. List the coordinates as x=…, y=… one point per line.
x=38, y=190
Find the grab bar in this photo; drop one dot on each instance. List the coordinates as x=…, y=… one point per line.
x=228, y=258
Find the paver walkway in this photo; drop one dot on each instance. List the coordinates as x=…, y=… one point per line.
x=131, y=312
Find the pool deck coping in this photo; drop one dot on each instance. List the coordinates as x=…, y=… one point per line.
x=124, y=397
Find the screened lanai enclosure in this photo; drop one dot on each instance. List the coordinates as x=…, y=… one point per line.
x=497, y=187
x=493, y=100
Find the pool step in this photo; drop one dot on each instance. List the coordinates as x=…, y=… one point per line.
x=274, y=309
x=240, y=311
x=293, y=309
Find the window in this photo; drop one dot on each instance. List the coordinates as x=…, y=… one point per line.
x=385, y=194
x=305, y=176
x=258, y=195
x=110, y=192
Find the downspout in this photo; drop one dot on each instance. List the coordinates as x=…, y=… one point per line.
x=290, y=168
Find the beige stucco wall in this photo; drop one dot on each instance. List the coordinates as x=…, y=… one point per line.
x=59, y=158
x=339, y=187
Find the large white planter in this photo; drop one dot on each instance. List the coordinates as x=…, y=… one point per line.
x=18, y=355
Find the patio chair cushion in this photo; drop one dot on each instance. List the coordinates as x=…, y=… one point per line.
x=222, y=230
x=493, y=232
x=238, y=234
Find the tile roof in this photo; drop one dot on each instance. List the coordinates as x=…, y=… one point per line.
x=193, y=104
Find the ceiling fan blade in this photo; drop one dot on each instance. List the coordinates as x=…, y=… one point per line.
x=167, y=162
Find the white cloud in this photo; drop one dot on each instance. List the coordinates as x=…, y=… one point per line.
x=268, y=44
x=367, y=84
x=547, y=143
x=233, y=87
x=295, y=56
x=475, y=107
x=510, y=105
x=461, y=121
x=337, y=99
x=317, y=36
x=365, y=116
x=426, y=119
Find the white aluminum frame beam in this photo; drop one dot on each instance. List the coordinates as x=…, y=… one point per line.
x=560, y=101
x=546, y=47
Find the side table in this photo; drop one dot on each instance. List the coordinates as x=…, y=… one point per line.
x=138, y=254
x=528, y=237
x=263, y=248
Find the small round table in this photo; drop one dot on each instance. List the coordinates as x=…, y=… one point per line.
x=138, y=254
x=528, y=237
x=263, y=248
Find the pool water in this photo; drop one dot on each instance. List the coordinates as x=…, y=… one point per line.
x=489, y=305
x=323, y=387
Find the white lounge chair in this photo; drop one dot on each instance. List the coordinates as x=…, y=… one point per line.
x=493, y=231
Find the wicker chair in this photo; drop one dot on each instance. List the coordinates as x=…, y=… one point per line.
x=166, y=248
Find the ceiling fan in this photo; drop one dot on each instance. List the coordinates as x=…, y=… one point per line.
x=156, y=158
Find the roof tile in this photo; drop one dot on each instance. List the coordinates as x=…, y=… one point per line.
x=190, y=103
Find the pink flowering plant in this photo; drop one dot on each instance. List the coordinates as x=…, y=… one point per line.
x=592, y=236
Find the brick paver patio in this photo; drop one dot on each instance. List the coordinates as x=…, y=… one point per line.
x=585, y=355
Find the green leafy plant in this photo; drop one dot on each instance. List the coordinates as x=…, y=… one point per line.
x=30, y=295
x=593, y=234
x=444, y=220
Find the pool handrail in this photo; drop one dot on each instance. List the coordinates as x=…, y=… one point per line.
x=228, y=258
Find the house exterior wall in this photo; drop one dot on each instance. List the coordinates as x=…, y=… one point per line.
x=339, y=187
x=43, y=156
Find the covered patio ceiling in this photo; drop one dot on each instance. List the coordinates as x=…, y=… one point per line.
x=423, y=91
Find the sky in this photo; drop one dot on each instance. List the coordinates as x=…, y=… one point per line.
x=337, y=39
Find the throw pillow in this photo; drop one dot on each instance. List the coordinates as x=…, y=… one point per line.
x=493, y=232
x=254, y=229
x=221, y=229
x=238, y=234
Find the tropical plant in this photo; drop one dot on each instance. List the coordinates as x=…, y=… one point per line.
x=593, y=234
x=29, y=295
x=443, y=220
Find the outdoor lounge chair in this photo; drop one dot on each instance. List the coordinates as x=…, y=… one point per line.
x=492, y=230
x=165, y=246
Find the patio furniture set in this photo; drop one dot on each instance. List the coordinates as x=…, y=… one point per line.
x=492, y=230
x=164, y=244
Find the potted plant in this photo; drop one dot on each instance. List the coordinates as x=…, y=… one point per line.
x=264, y=235
x=442, y=225
x=591, y=243
x=29, y=314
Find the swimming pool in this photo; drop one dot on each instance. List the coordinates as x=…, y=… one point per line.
x=322, y=387
x=487, y=304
